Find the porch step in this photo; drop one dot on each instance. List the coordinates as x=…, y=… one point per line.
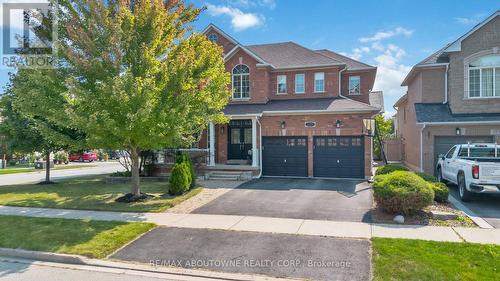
x=228, y=175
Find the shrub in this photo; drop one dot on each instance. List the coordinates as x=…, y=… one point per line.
x=184, y=158
x=402, y=192
x=180, y=179
x=389, y=168
x=427, y=177
x=440, y=191
x=122, y=174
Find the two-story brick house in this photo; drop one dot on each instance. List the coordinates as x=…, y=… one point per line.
x=453, y=97
x=294, y=112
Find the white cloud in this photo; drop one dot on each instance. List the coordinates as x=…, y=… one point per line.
x=466, y=21
x=357, y=53
x=390, y=70
x=387, y=34
x=239, y=20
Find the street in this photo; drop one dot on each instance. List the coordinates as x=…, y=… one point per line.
x=20, y=270
x=34, y=177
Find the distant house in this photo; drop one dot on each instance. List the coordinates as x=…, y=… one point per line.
x=453, y=97
x=294, y=112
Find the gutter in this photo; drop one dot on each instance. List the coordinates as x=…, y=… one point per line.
x=446, y=84
x=260, y=147
x=340, y=81
x=421, y=148
x=456, y=123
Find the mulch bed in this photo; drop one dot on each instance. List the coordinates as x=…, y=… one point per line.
x=130, y=198
x=425, y=217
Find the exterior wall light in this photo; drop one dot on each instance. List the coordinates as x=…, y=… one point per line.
x=458, y=131
x=338, y=123
x=283, y=125
x=222, y=130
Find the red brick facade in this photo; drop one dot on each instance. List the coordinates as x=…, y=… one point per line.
x=263, y=88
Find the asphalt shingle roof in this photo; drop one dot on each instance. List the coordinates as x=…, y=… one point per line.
x=438, y=112
x=351, y=64
x=290, y=54
x=316, y=104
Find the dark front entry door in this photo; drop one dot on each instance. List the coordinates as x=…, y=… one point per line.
x=284, y=156
x=339, y=157
x=240, y=139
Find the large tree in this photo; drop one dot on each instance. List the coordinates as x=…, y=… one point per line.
x=24, y=124
x=137, y=77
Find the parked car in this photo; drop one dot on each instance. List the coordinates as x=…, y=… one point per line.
x=475, y=168
x=84, y=156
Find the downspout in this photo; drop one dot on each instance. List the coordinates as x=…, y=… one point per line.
x=446, y=85
x=260, y=147
x=340, y=81
x=421, y=147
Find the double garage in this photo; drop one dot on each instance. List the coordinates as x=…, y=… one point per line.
x=333, y=156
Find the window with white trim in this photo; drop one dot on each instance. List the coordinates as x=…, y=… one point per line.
x=319, y=82
x=484, y=77
x=300, y=83
x=281, y=84
x=354, y=85
x=241, y=82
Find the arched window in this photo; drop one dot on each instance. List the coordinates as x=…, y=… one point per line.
x=484, y=77
x=241, y=82
x=213, y=37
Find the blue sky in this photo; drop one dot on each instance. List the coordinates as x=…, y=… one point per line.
x=392, y=35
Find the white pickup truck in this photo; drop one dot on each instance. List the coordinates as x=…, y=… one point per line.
x=475, y=168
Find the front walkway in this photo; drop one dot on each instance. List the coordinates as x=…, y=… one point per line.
x=274, y=225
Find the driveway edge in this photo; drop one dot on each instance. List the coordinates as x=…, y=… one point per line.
x=482, y=223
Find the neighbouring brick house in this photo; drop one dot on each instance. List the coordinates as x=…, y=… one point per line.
x=453, y=97
x=294, y=112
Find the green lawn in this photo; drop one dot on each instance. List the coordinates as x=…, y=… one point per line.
x=400, y=259
x=89, y=193
x=95, y=239
x=16, y=170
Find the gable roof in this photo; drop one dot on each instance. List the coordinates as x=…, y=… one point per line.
x=456, y=45
x=221, y=32
x=291, y=55
x=439, y=58
x=351, y=64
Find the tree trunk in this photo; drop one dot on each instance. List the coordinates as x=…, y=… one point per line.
x=47, y=166
x=134, y=158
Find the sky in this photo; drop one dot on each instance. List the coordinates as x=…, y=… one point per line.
x=392, y=35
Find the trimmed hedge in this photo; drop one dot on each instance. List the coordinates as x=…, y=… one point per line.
x=180, y=179
x=440, y=191
x=402, y=192
x=427, y=177
x=389, y=168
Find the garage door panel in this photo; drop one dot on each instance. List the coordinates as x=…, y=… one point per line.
x=339, y=157
x=284, y=156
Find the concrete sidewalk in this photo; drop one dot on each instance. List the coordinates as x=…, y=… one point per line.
x=274, y=225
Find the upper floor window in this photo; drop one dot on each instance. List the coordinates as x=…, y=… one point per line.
x=213, y=37
x=319, y=82
x=299, y=83
x=484, y=77
x=241, y=82
x=354, y=85
x=281, y=84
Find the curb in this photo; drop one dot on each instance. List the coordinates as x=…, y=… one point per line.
x=181, y=274
x=43, y=256
x=469, y=213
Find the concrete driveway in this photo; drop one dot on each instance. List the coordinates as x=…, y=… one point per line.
x=318, y=199
x=280, y=255
x=486, y=206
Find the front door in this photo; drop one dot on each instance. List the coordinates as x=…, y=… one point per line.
x=240, y=140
